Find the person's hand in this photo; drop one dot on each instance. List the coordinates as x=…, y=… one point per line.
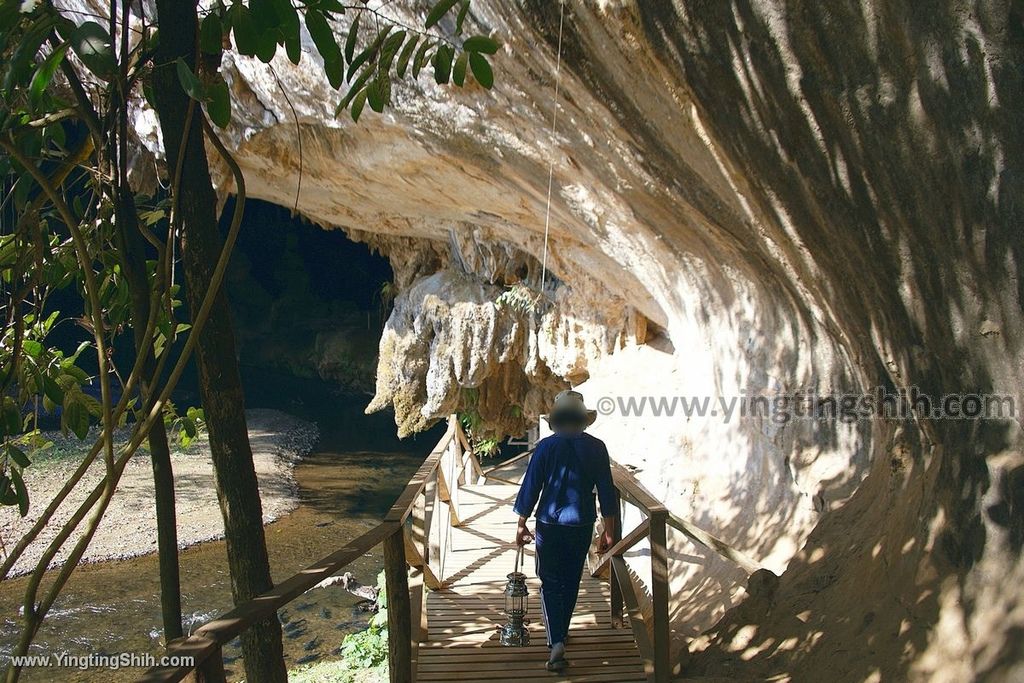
x=605, y=542
x=523, y=535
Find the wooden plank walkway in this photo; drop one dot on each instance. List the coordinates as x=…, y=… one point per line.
x=463, y=643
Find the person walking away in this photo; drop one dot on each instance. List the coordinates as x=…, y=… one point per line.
x=564, y=472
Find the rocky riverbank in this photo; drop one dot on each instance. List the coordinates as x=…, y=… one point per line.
x=128, y=529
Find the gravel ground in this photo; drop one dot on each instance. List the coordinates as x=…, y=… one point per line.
x=129, y=527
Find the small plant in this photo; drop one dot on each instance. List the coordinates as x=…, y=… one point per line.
x=473, y=425
x=367, y=649
x=486, y=447
x=187, y=427
x=386, y=298
x=519, y=298
x=364, y=653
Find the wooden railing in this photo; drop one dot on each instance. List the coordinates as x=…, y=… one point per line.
x=415, y=534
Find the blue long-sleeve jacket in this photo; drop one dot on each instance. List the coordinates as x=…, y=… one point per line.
x=562, y=475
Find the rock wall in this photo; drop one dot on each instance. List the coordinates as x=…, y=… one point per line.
x=796, y=195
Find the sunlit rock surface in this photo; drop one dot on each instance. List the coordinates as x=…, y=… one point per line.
x=782, y=196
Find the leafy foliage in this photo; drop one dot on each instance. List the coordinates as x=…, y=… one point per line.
x=361, y=651
x=484, y=444
x=67, y=212
x=372, y=58
x=519, y=298
x=187, y=427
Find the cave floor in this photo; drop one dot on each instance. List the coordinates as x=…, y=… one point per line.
x=463, y=642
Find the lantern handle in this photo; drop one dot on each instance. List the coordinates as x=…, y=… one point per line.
x=519, y=558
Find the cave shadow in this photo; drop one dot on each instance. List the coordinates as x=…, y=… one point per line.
x=892, y=124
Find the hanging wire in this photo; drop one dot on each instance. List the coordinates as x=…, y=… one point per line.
x=551, y=161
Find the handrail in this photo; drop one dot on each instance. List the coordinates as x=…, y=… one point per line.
x=403, y=504
x=490, y=470
x=437, y=481
x=630, y=487
x=701, y=537
x=652, y=635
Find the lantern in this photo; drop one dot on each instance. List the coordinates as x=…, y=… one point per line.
x=514, y=633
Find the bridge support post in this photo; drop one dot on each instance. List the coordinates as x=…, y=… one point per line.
x=659, y=595
x=399, y=608
x=211, y=669
x=614, y=589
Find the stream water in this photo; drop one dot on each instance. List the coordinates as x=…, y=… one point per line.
x=345, y=486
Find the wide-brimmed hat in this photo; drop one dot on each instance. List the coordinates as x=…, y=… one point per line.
x=569, y=404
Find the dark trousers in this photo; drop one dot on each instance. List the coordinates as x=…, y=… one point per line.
x=561, y=551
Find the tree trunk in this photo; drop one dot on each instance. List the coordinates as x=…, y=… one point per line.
x=134, y=265
x=219, y=380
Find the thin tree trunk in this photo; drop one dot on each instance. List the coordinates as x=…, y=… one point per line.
x=134, y=264
x=219, y=380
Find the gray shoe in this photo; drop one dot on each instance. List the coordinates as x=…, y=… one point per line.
x=556, y=661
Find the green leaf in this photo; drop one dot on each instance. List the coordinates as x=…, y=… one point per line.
x=219, y=106
x=459, y=70
x=189, y=426
x=52, y=390
x=287, y=18
x=11, y=417
x=20, y=64
x=437, y=11
x=32, y=348
x=378, y=93
x=21, y=490
x=484, y=44
x=323, y=37
x=8, y=496
x=293, y=48
x=463, y=11
x=403, y=59
x=390, y=49
x=244, y=30
x=76, y=373
x=352, y=92
x=331, y=6
x=91, y=43
x=421, y=58
x=211, y=32
x=92, y=406
x=75, y=414
x=78, y=351
x=335, y=71
x=481, y=70
x=369, y=52
x=18, y=456
x=264, y=15
x=350, y=41
x=44, y=74
x=189, y=83
x=357, y=105
x=443, y=64
x=266, y=45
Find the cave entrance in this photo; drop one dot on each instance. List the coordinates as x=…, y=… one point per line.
x=309, y=305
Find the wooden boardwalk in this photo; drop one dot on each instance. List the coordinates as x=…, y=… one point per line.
x=462, y=643
x=448, y=546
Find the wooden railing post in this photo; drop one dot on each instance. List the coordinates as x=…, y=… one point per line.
x=211, y=669
x=659, y=595
x=399, y=608
x=615, y=591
